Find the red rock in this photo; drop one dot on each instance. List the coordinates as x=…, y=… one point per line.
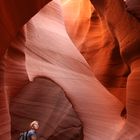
x=89, y=51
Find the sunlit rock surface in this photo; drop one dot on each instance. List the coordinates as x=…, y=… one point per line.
x=87, y=57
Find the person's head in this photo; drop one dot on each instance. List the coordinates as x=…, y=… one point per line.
x=34, y=125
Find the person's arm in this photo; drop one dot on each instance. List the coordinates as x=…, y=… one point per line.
x=33, y=137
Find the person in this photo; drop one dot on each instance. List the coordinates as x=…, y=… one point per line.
x=30, y=134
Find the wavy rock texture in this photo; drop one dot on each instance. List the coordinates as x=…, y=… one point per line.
x=13, y=16
x=87, y=57
x=51, y=108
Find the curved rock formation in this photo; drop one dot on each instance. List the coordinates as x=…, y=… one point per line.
x=93, y=56
x=126, y=29
x=45, y=101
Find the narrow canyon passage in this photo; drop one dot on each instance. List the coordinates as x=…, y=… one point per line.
x=72, y=65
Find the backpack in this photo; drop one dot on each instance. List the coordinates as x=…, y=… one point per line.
x=23, y=136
